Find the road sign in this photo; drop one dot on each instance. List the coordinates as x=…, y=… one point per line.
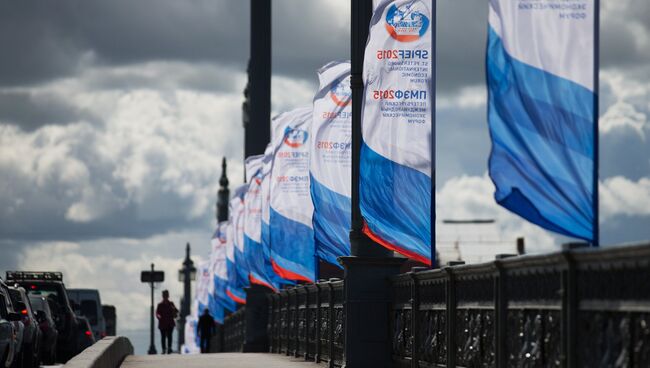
x=152, y=276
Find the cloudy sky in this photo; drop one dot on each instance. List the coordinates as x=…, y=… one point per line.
x=114, y=116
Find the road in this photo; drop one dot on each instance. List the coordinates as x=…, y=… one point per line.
x=235, y=360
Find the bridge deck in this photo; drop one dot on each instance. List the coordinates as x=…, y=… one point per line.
x=235, y=360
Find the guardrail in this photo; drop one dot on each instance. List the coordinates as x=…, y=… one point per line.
x=307, y=321
x=580, y=308
x=108, y=352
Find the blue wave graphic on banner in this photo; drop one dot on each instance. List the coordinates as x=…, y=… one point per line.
x=259, y=264
x=542, y=144
x=395, y=202
x=220, y=287
x=332, y=222
x=292, y=248
x=215, y=308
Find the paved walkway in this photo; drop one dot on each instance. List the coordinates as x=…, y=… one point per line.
x=235, y=360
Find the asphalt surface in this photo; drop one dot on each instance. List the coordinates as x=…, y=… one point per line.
x=234, y=360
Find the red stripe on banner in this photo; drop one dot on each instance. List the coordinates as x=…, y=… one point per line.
x=235, y=298
x=254, y=280
x=286, y=274
x=376, y=238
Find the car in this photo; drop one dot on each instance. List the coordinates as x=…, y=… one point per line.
x=111, y=319
x=7, y=328
x=17, y=326
x=90, y=306
x=31, y=331
x=50, y=285
x=85, y=336
x=47, y=324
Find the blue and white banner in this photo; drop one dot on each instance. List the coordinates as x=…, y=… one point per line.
x=396, y=153
x=215, y=306
x=218, y=258
x=330, y=162
x=541, y=80
x=291, y=209
x=202, y=284
x=255, y=255
x=236, y=237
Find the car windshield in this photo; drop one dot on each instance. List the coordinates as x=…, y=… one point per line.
x=37, y=303
x=89, y=310
x=15, y=297
x=46, y=290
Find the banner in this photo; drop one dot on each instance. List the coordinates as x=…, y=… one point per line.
x=542, y=112
x=330, y=162
x=255, y=254
x=291, y=209
x=236, y=238
x=218, y=259
x=202, y=285
x=397, y=151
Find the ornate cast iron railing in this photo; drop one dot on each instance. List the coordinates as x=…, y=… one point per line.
x=307, y=321
x=579, y=308
x=232, y=333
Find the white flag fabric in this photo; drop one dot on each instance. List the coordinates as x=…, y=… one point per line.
x=236, y=237
x=330, y=162
x=258, y=261
x=202, y=285
x=542, y=112
x=396, y=153
x=291, y=209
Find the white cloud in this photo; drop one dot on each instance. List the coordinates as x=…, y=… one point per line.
x=630, y=106
x=113, y=267
x=621, y=196
x=157, y=151
x=470, y=198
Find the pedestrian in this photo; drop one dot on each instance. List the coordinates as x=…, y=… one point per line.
x=166, y=313
x=206, y=329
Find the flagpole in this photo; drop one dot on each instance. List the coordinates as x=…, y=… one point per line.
x=434, y=16
x=596, y=209
x=361, y=14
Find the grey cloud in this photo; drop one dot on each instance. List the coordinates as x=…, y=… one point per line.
x=30, y=111
x=53, y=39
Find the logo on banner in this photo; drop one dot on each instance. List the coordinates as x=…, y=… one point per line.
x=295, y=138
x=341, y=92
x=408, y=22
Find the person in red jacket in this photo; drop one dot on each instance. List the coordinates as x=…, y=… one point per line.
x=166, y=313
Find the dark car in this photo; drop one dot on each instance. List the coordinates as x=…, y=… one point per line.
x=47, y=324
x=85, y=335
x=50, y=285
x=111, y=319
x=7, y=328
x=31, y=332
x=17, y=324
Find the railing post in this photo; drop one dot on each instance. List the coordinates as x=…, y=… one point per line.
x=256, y=317
x=319, y=321
x=451, y=318
x=501, y=314
x=415, y=318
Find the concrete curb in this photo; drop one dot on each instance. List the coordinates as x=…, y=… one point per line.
x=108, y=352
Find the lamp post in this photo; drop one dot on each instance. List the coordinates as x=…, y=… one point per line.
x=152, y=277
x=186, y=275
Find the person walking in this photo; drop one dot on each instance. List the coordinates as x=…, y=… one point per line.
x=206, y=329
x=166, y=313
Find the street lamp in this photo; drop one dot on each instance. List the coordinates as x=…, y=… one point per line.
x=186, y=275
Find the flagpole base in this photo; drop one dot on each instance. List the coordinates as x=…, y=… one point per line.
x=367, y=305
x=257, y=316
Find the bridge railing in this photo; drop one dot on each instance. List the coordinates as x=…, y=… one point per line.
x=307, y=321
x=579, y=308
x=231, y=334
